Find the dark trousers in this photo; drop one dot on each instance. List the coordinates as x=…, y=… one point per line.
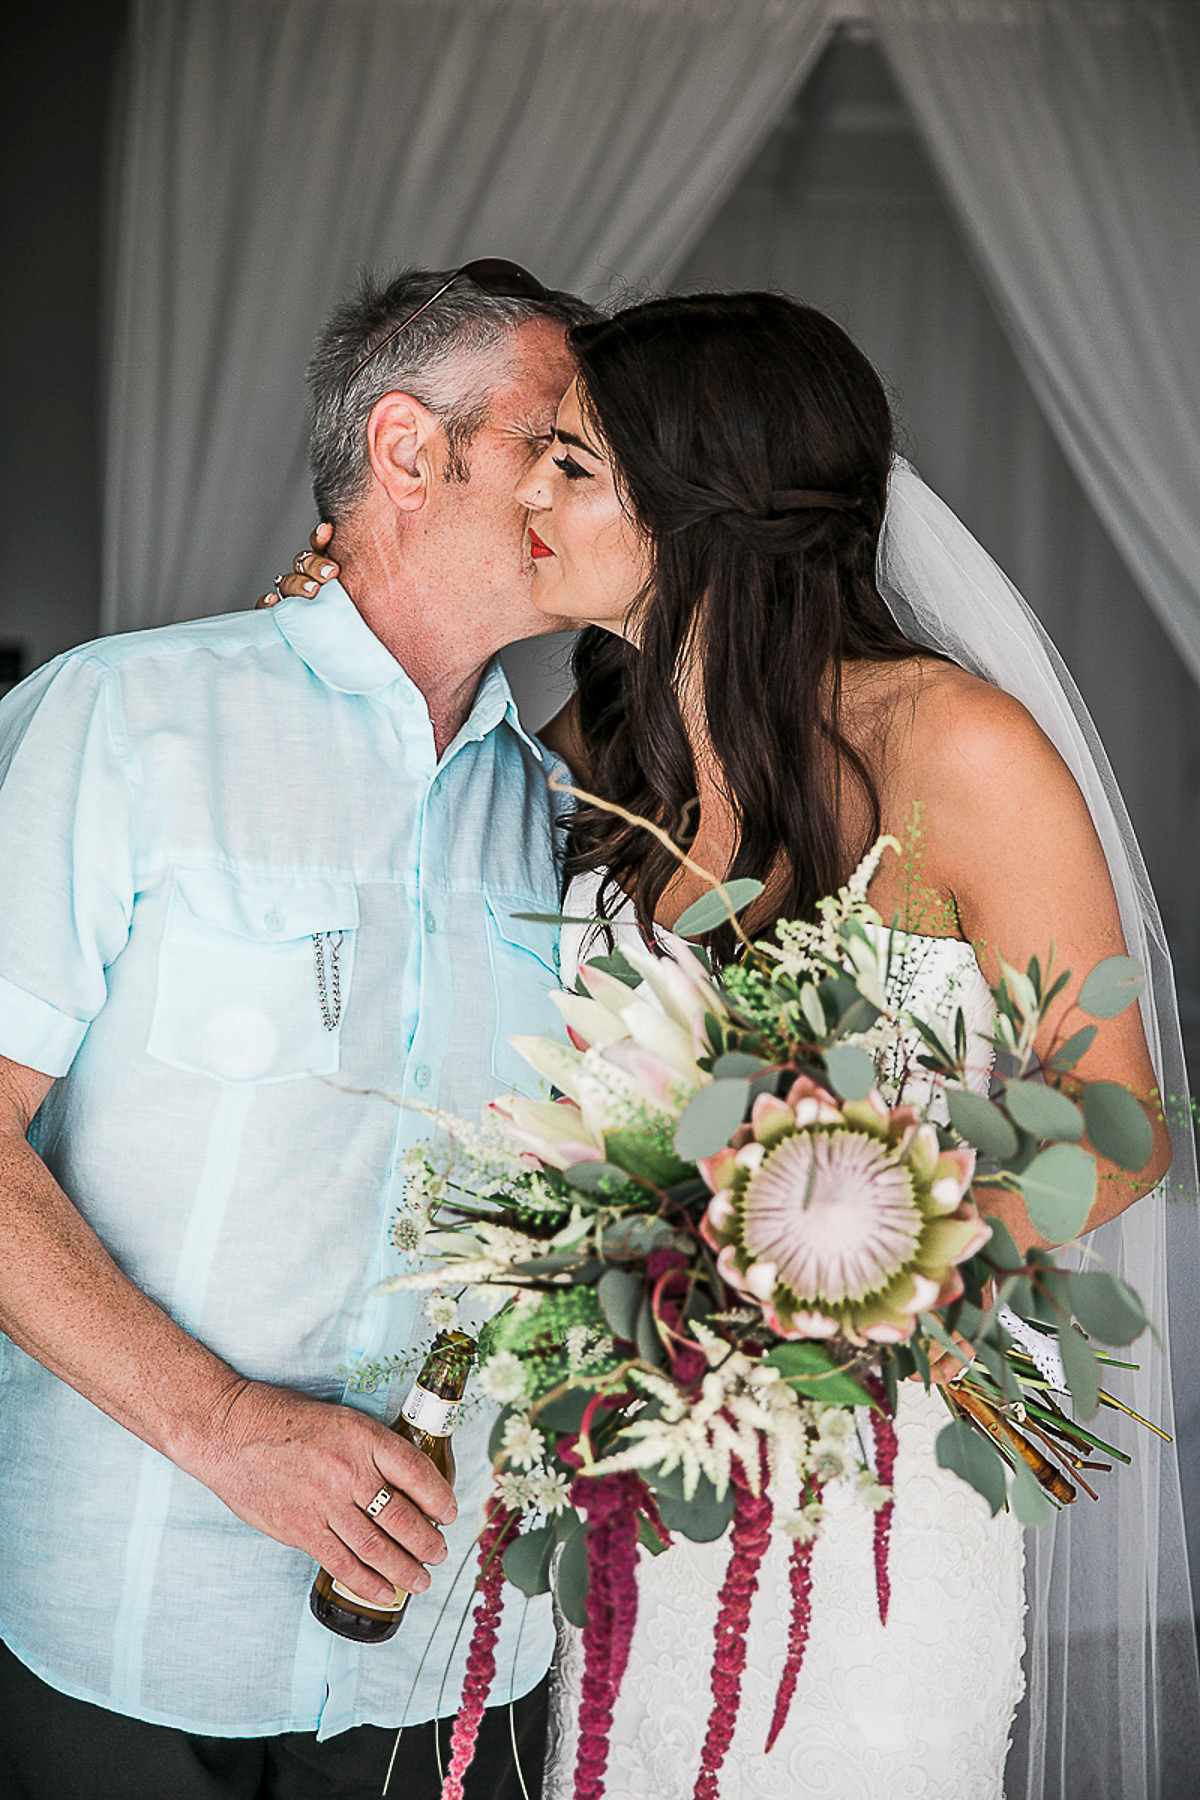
x=56, y=1748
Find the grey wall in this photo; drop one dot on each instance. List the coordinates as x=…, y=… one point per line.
x=59, y=61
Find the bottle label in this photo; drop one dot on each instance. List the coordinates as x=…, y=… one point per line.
x=429, y=1412
x=379, y=1606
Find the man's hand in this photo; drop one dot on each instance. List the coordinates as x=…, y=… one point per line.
x=303, y=1471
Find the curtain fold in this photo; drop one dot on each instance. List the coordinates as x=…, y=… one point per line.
x=273, y=147
x=1067, y=133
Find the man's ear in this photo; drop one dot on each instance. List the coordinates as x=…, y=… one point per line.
x=400, y=431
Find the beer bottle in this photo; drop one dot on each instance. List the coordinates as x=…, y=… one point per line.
x=427, y=1418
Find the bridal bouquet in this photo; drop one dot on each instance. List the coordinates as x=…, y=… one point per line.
x=753, y=1211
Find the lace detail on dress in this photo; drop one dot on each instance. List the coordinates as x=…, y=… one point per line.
x=920, y=1710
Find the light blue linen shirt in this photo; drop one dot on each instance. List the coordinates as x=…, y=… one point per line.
x=181, y=811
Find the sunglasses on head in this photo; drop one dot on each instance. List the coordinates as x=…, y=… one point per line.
x=491, y=274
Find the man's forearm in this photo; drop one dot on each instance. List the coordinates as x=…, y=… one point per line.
x=65, y=1301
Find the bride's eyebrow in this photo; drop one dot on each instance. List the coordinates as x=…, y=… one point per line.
x=577, y=443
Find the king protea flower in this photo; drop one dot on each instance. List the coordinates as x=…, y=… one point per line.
x=841, y=1217
x=631, y=1060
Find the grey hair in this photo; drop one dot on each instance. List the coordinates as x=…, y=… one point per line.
x=450, y=359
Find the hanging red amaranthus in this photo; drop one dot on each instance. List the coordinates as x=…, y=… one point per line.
x=800, y=1582
x=610, y=1504
x=750, y=1534
x=885, y=1471
x=500, y=1528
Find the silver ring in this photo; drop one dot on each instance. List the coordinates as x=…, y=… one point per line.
x=377, y=1505
x=298, y=561
x=282, y=576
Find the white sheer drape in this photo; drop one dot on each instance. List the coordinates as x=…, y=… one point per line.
x=1068, y=135
x=274, y=146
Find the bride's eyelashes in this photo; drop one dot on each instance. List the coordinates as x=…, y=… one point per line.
x=571, y=469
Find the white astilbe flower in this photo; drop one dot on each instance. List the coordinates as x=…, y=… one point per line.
x=551, y=1492
x=515, y=1491
x=442, y=1311
x=523, y=1444
x=872, y=1492
x=830, y=1459
x=802, y=1525
x=807, y=949
x=502, y=1378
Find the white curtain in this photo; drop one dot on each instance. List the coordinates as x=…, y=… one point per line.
x=272, y=147
x=1068, y=134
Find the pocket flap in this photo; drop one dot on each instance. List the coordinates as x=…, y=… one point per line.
x=269, y=907
x=540, y=940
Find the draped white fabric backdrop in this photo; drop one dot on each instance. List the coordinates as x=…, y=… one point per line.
x=272, y=147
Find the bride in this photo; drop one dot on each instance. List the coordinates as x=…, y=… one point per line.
x=790, y=647
x=711, y=508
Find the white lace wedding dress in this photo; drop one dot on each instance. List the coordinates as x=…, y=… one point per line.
x=919, y=1710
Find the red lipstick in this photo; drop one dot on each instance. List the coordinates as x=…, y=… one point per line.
x=536, y=547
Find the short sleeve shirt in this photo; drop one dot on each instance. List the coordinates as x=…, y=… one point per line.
x=248, y=918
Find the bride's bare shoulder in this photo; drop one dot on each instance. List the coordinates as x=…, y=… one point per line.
x=963, y=728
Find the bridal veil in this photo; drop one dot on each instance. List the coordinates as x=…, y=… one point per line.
x=1112, y=1710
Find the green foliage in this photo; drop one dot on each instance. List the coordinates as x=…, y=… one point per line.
x=1117, y=1124
x=1072, y=1048
x=716, y=907
x=811, y=1371
x=703, y=1518
x=527, y=1560
x=711, y=1117
x=969, y=1454
x=1107, y=1307
x=850, y=1070
x=1029, y=1501
x=1081, y=1370
x=571, y=1577
x=620, y=1295
x=981, y=1123
x=1112, y=985
x=1043, y=1111
x=1060, y=1189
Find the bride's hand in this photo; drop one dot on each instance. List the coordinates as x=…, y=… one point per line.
x=310, y=570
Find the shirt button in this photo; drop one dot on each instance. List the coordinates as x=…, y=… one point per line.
x=273, y=920
x=557, y=957
x=424, y=1075
x=430, y=923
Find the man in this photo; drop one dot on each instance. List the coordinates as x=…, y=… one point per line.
x=260, y=873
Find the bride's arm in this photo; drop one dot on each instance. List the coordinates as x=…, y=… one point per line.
x=1011, y=840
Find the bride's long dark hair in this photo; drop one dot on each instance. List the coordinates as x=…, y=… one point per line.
x=751, y=442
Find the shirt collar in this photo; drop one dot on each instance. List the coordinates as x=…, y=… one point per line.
x=332, y=637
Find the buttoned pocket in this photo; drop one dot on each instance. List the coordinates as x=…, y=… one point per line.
x=254, y=975
x=523, y=956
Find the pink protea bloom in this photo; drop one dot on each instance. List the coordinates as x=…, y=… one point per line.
x=841, y=1216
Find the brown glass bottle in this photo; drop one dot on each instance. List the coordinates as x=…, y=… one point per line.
x=426, y=1419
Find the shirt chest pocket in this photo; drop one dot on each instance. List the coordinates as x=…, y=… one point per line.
x=523, y=956
x=254, y=975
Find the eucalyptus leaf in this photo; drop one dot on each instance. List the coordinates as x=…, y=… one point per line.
x=649, y=1344
x=975, y=1118
x=527, y=1560
x=814, y=1012
x=1060, y=1188
x=630, y=1151
x=851, y=1071
x=1106, y=1307
x=1029, y=1502
x=620, y=1295
x=1112, y=985
x=649, y=1538
x=736, y=1062
x=965, y=1451
x=564, y=1414
x=618, y=966
x=711, y=1117
x=633, y=1236
x=535, y=918
x=571, y=1577
x=595, y=1177
x=703, y=1518
x=713, y=909
x=800, y=1357
x=1117, y=1124
x=1072, y=1048
x=1043, y=1111
x=1081, y=1370
x=1001, y=1249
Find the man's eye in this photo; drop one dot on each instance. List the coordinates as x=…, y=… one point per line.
x=571, y=469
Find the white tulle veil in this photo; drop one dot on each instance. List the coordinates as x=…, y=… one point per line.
x=1112, y=1710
